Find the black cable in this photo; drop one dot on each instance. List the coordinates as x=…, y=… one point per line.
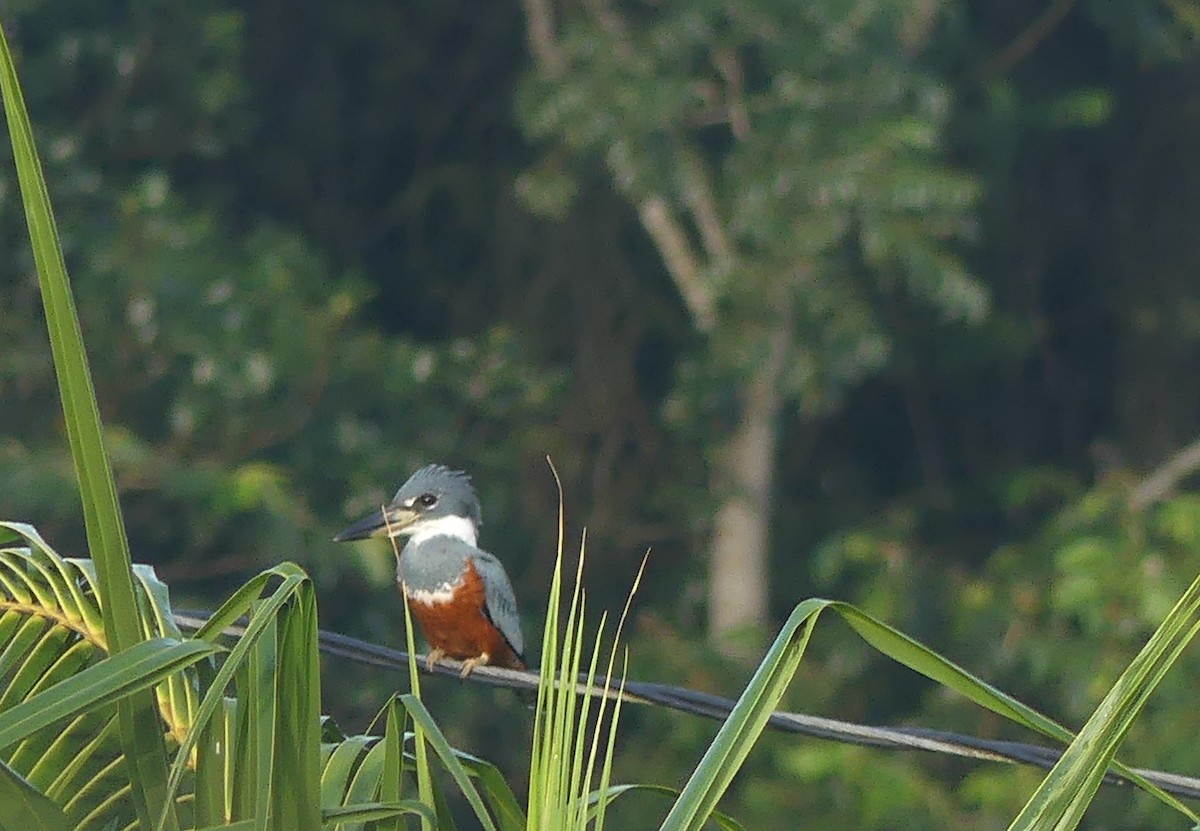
x=718, y=708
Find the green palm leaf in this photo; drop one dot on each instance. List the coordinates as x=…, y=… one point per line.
x=61, y=687
x=140, y=737
x=23, y=806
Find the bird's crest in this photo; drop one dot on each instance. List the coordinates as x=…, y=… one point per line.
x=440, y=479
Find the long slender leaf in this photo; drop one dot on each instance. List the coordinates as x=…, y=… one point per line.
x=210, y=791
x=425, y=783
x=445, y=817
x=1065, y=793
x=296, y=775
x=141, y=737
x=119, y=676
x=376, y=811
x=728, y=750
x=903, y=649
x=261, y=621
x=505, y=807
x=741, y=730
x=364, y=786
x=437, y=741
x=344, y=759
x=24, y=807
x=609, y=795
x=261, y=699
x=392, y=777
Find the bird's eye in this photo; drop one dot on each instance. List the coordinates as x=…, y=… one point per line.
x=427, y=500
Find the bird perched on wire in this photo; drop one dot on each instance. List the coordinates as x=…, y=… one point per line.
x=459, y=594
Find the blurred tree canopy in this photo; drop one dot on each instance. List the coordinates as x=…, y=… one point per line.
x=949, y=244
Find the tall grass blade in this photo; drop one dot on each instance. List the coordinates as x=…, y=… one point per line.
x=375, y=811
x=425, y=784
x=296, y=775
x=544, y=784
x=745, y=724
x=391, y=785
x=438, y=742
x=903, y=649
x=141, y=731
x=566, y=750
x=262, y=620
x=1065, y=793
x=610, y=746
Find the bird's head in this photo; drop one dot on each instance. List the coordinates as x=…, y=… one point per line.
x=435, y=501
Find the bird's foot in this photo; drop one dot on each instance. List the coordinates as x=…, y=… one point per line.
x=469, y=665
x=431, y=660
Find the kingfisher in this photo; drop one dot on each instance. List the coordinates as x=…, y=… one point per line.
x=459, y=594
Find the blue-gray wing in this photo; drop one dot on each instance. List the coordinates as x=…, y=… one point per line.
x=501, y=601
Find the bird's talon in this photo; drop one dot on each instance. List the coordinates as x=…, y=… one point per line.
x=431, y=660
x=469, y=665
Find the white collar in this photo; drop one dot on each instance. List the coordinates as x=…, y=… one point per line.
x=458, y=527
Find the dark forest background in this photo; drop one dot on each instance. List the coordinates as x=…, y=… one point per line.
x=893, y=302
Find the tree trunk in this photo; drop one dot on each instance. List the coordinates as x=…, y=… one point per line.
x=744, y=473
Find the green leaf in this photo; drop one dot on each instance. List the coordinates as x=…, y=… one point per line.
x=611, y=794
x=260, y=697
x=141, y=738
x=212, y=749
x=364, y=786
x=296, y=774
x=244, y=825
x=1065, y=793
x=344, y=759
x=262, y=620
x=504, y=804
x=391, y=783
x=437, y=741
x=1062, y=800
x=367, y=812
x=903, y=649
x=425, y=783
x=745, y=724
x=25, y=808
x=117, y=677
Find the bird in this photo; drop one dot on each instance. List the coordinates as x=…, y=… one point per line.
x=460, y=595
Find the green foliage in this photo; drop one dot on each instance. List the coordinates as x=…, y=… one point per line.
x=567, y=790
x=1067, y=791
x=141, y=740
x=58, y=616
x=241, y=382
x=23, y=806
x=247, y=398
x=803, y=142
x=244, y=733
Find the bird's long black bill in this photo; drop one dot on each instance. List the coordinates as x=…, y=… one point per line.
x=369, y=526
x=377, y=524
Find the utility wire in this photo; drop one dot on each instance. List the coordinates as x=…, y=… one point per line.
x=718, y=708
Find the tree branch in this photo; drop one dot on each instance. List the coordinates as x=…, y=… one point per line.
x=1021, y=46
x=613, y=26
x=672, y=242
x=731, y=70
x=1166, y=477
x=657, y=217
x=540, y=33
x=699, y=193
